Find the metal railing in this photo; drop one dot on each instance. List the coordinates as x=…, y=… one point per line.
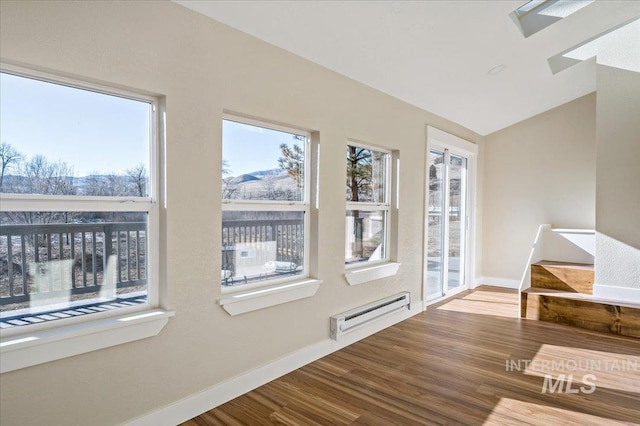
x=287, y=234
x=47, y=261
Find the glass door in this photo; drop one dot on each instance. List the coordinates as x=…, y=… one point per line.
x=435, y=225
x=447, y=223
x=457, y=221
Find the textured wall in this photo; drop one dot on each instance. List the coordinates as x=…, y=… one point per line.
x=541, y=170
x=618, y=179
x=203, y=68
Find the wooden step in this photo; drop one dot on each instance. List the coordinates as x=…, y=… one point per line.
x=581, y=310
x=569, y=277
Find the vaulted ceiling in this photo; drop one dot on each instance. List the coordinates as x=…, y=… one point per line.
x=437, y=54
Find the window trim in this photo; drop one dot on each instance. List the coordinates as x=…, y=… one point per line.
x=255, y=298
x=33, y=348
x=102, y=329
x=78, y=83
x=436, y=138
x=303, y=206
x=372, y=271
x=386, y=206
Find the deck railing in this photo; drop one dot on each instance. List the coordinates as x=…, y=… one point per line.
x=288, y=235
x=46, y=261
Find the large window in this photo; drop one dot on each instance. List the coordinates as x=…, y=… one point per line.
x=368, y=205
x=78, y=217
x=265, y=192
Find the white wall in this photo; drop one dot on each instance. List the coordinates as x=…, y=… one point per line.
x=541, y=170
x=618, y=184
x=204, y=68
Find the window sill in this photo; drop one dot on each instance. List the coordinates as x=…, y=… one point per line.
x=370, y=273
x=28, y=349
x=259, y=298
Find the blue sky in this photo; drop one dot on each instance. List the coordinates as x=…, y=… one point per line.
x=250, y=149
x=91, y=132
x=102, y=134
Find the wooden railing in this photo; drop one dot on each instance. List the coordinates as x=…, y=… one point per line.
x=47, y=261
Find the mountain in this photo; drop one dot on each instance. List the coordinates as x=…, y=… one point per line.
x=271, y=172
x=273, y=184
x=243, y=178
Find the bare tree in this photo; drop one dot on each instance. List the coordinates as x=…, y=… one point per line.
x=9, y=158
x=109, y=185
x=40, y=176
x=118, y=185
x=229, y=186
x=138, y=180
x=271, y=190
x=95, y=184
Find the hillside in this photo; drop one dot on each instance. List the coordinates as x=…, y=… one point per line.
x=274, y=184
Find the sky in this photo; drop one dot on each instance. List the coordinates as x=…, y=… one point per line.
x=248, y=148
x=91, y=132
x=96, y=133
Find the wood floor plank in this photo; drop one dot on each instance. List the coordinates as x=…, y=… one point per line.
x=449, y=365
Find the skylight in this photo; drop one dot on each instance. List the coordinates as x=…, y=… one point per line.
x=537, y=15
x=618, y=48
x=522, y=10
x=562, y=9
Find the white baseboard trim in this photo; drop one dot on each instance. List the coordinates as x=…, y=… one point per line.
x=198, y=403
x=626, y=294
x=497, y=282
x=446, y=296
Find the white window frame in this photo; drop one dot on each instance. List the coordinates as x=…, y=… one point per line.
x=369, y=206
x=360, y=272
x=303, y=206
x=33, y=344
x=440, y=140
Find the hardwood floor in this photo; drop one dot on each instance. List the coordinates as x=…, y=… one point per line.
x=455, y=364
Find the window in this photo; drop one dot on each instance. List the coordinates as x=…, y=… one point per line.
x=368, y=205
x=536, y=15
x=78, y=217
x=265, y=192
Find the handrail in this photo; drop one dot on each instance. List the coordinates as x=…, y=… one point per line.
x=287, y=234
x=62, y=259
x=534, y=256
x=49, y=261
x=55, y=228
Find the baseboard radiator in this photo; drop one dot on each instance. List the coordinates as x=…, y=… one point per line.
x=349, y=321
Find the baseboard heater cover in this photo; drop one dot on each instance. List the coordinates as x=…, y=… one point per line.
x=349, y=321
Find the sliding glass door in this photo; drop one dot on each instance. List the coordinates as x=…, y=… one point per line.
x=447, y=226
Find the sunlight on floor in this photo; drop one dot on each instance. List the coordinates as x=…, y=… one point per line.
x=485, y=303
x=512, y=411
x=611, y=370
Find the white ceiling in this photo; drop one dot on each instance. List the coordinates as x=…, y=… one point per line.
x=434, y=54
